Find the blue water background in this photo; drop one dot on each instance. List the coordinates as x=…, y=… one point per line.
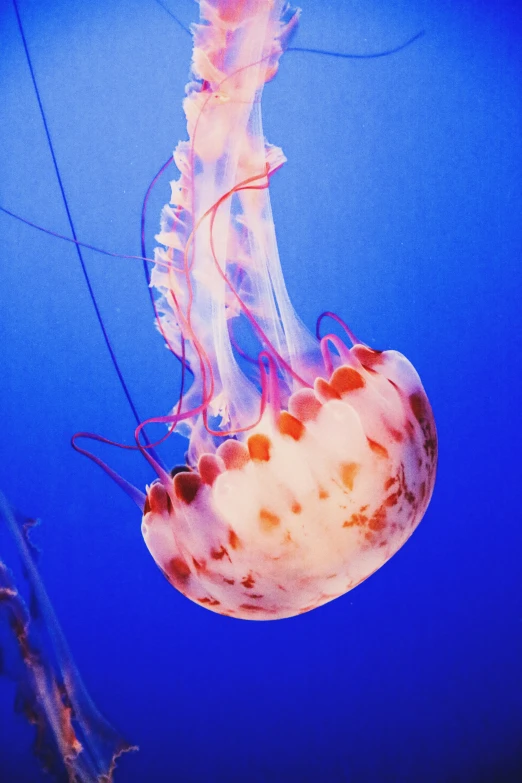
x=399, y=208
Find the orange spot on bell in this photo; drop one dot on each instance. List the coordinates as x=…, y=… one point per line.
x=289, y=425
x=248, y=581
x=218, y=554
x=259, y=447
x=349, y=470
x=393, y=499
x=199, y=566
x=378, y=519
x=233, y=539
x=178, y=570
x=367, y=356
x=346, y=379
x=186, y=486
x=324, y=391
x=208, y=601
x=304, y=405
x=397, y=436
x=209, y=468
x=378, y=449
x=268, y=520
x=234, y=454
x=158, y=500
x=418, y=406
x=356, y=520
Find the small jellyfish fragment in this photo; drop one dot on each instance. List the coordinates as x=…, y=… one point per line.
x=70, y=732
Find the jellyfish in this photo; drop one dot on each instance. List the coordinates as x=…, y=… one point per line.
x=69, y=730
x=311, y=459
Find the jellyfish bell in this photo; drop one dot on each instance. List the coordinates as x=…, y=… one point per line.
x=310, y=467
x=310, y=503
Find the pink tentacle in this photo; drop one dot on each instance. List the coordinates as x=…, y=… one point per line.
x=133, y=492
x=337, y=319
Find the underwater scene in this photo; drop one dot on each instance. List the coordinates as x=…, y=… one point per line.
x=260, y=321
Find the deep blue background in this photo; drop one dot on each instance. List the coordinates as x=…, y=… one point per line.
x=399, y=209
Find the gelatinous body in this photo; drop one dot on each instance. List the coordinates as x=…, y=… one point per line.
x=308, y=469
